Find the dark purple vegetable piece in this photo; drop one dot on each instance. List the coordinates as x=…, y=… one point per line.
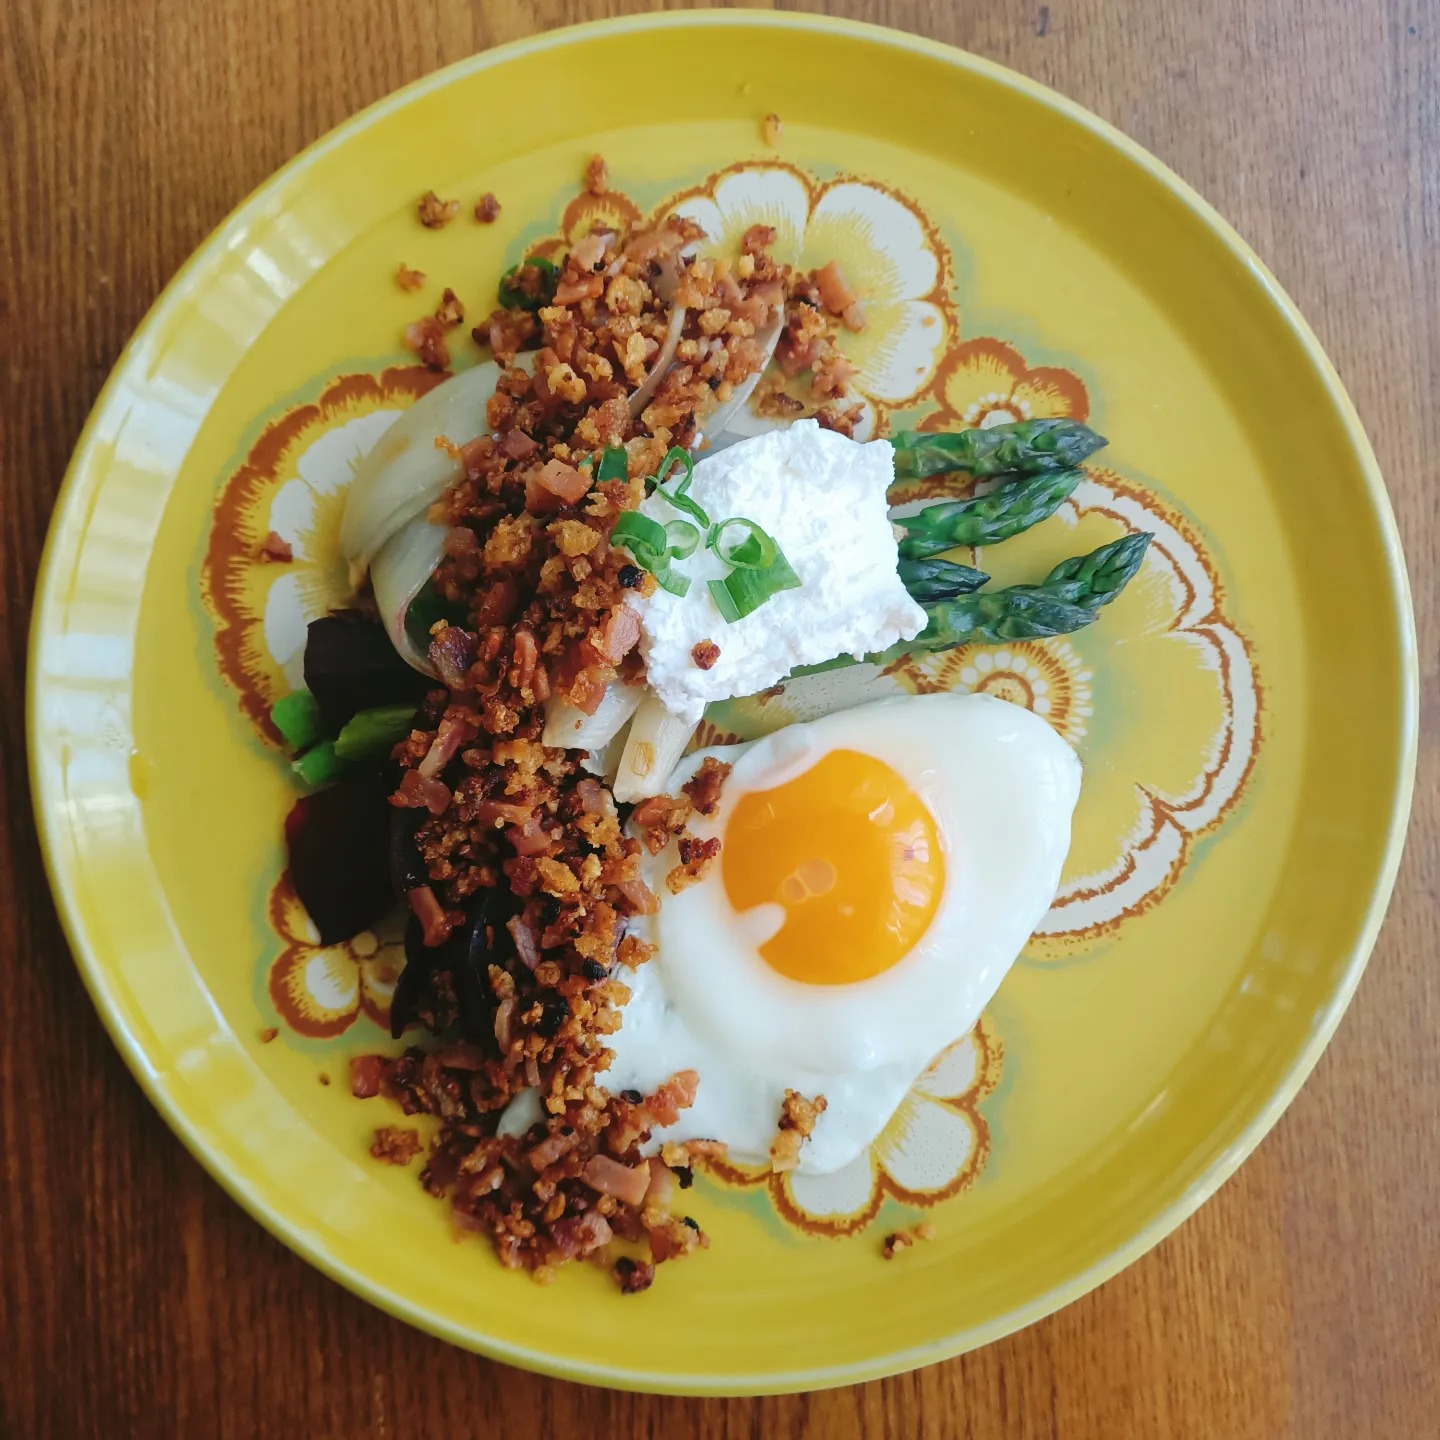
x=407, y=870
x=466, y=956
x=452, y=653
x=339, y=853
x=351, y=665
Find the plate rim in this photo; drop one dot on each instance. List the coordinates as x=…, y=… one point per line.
x=66, y=518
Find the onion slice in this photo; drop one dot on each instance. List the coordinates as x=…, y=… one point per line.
x=653, y=748
x=405, y=472
x=398, y=573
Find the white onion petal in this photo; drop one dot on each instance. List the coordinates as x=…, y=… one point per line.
x=653, y=748
x=567, y=727
x=398, y=573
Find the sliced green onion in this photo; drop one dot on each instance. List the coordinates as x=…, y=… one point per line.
x=297, y=717
x=757, y=551
x=682, y=537
x=643, y=537
x=672, y=580
x=513, y=298
x=679, y=497
x=742, y=592
x=371, y=733
x=426, y=610
x=319, y=765
x=614, y=464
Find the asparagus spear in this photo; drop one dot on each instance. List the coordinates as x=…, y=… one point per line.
x=987, y=519
x=1026, y=448
x=928, y=580
x=1068, y=599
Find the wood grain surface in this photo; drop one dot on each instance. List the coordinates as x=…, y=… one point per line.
x=137, y=1300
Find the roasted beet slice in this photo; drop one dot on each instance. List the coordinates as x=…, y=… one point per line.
x=339, y=846
x=351, y=665
x=466, y=955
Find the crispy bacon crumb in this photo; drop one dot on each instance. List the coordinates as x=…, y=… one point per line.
x=277, y=548
x=797, y=1121
x=705, y=653
x=633, y=1276
x=408, y=279
x=702, y=789
x=395, y=1145
x=770, y=129
x=435, y=212
x=268, y=1034
x=487, y=208
x=323, y=1076
x=426, y=337
x=450, y=312
x=597, y=175
x=696, y=858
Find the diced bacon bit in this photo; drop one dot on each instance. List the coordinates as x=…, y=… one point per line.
x=696, y=857
x=395, y=1145
x=502, y=812
x=705, y=653
x=526, y=949
x=619, y=634
x=434, y=922
x=597, y=175
x=854, y=316
x=797, y=1120
x=421, y=792
x=435, y=212
x=771, y=129
x=450, y=738
x=588, y=252
x=633, y=1276
x=452, y=652
x=835, y=292
x=582, y=287
x=564, y=482
x=674, y=1095
x=450, y=312
x=487, y=208
x=842, y=422
x=578, y=1235
x=461, y=1055
x=703, y=787
x=408, y=279
x=639, y=896
x=426, y=338
x=657, y=1194
x=627, y=1183
x=531, y=837
x=276, y=547
x=367, y=1075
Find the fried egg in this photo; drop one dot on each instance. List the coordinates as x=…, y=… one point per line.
x=880, y=870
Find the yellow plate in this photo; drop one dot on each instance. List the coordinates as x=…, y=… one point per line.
x=1246, y=712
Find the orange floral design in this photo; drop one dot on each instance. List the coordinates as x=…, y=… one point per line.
x=933, y=1147
x=293, y=483
x=320, y=991
x=986, y=382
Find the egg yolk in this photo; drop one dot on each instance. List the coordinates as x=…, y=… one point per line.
x=852, y=856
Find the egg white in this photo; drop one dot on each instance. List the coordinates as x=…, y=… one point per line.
x=1001, y=786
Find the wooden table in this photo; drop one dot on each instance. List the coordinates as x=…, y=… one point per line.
x=137, y=1300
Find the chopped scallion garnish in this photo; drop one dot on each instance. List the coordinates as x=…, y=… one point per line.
x=319, y=765
x=297, y=717
x=756, y=551
x=614, y=464
x=742, y=592
x=371, y=733
x=682, y=537
x=513, y=297
x=679, y=497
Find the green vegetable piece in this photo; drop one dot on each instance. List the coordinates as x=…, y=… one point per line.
x=742, y=592
x=319, y=765
x=1068, y=599
x=643, y=537
x=930, y=580
x=987, y=519
x=372, y=733
x=614, y=464
x=681, y=538
x=426, y=610
x=521, y=292
x=297, y=717
x=1026, y=447
x=679, y=497
x=757, y=551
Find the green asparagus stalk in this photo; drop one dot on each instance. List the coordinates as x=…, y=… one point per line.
x=987, y=519
x=1068, y=599
x=1025, y=448
x=930, y=580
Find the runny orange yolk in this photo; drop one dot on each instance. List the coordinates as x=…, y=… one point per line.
x=851, y=854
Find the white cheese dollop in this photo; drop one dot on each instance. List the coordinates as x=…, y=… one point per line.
x=821, y=497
